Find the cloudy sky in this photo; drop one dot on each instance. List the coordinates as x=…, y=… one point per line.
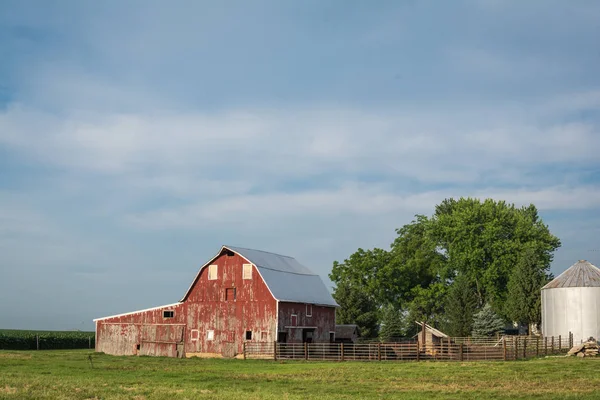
x=137, y=137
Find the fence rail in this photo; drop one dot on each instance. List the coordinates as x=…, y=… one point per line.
x=448, y=349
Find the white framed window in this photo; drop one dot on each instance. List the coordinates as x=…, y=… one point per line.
x=309, y=310
x=247, y=274
x=210, y=335
x=212, y=272
x=195, y=334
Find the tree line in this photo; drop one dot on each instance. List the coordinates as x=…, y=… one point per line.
x=469, y=269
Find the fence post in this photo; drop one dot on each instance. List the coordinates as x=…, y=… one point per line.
x=525, y=347
x=537, y=346
x=305, y=351
x=244, y=349
x=552, y=344
x=559, y=343
x=379, y=351
x=545, y=345
x=37, y=341
x=570, y=340
x=275, y=350
x=462, y=350
x=342, y=350
x=418, y=351
x=504, y=348
x=515, y=347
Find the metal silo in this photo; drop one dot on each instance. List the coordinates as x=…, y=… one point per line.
x=571, y=303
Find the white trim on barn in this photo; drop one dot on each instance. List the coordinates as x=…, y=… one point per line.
x=138, y=311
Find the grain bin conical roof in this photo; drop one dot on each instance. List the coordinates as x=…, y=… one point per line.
x=581, y=274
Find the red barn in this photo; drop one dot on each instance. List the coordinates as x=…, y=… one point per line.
x=239, y=295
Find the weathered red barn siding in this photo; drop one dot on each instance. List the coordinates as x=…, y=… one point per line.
x=145, y=332
x=322, y=320
x=206, y=308
x=254, y=308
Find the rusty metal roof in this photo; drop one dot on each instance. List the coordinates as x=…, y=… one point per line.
x=581, y=274
x=287, y=279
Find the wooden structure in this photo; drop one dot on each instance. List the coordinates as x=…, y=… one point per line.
x=239, y=296
x=429, y=338
x=346, y=333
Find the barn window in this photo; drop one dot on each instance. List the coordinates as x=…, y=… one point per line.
x=248, y=335
x=247, y=271
x=263, y=336
x=210, y=335
x=309, y=310
x=195, y=334
x=212, y=272
x=294, y=320
x=230, y=294
x=168, y=314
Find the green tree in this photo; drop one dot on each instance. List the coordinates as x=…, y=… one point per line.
x=483, y=240
x=356, y=308
x=427, y=305
x=364, y=271
x=461, y=304
x=486, y=322
x=392, y=323
x=523, y=304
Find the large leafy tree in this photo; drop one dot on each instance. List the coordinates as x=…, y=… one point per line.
x=461, y=304
x=483, y=241
x=523, y=304
x=479, y=240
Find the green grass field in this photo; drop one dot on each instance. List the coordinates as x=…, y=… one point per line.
x=68, y=374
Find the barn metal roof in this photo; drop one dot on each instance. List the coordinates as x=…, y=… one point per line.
x=581, y=274
x=286, y=278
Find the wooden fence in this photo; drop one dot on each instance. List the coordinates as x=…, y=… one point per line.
x=449, y=349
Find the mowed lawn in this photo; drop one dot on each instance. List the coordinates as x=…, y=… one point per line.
x=57, y=374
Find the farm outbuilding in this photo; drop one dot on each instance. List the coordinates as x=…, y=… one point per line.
x=429, y=337
x=346, y=333
x=240, y=295
x=571, y=303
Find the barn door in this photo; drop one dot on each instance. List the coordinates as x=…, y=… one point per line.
x=162, y=340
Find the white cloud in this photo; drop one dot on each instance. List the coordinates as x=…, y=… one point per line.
x=352, y=200
x=284, y=144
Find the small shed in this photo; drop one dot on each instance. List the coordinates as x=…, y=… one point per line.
x=346, y=333
x=430, y=338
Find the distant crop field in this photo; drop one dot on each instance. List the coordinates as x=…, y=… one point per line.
x=11, y=339
x=82, y=374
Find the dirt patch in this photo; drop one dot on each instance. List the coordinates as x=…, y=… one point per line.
x=15, y=356
x=8, y=390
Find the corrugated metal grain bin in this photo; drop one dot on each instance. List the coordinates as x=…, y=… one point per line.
x=571, y=303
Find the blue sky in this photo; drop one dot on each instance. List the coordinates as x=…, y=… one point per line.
x=138, y=137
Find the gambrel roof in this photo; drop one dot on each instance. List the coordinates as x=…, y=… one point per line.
x=286, y=278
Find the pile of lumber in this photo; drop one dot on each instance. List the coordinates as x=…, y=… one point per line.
x=588, y=348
